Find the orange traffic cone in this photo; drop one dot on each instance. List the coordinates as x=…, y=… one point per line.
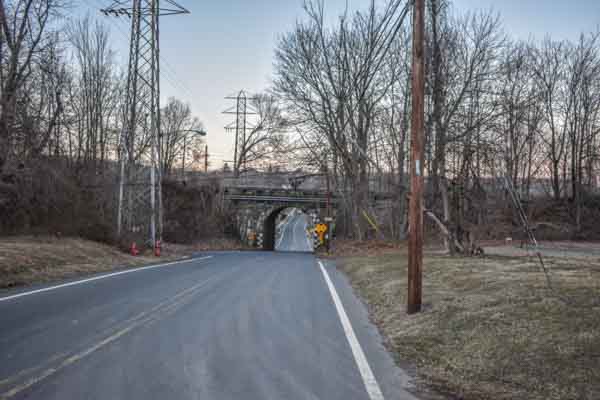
x=134, y=250
x=157, y=248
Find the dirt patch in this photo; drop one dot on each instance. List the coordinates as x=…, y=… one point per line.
x=561, y=249
x=216, y=244
x=351, y=248
x=490, y=327
x=26, y=259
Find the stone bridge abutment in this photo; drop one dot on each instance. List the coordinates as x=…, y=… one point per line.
x=257, y=212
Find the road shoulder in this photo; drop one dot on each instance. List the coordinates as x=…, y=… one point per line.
x=396, y=382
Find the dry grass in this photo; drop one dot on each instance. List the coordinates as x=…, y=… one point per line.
x=352, y=248
x=27, y=259
x=215, y=244
x=490, y=329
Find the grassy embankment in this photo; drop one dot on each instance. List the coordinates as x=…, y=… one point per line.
x=27, y=259
x=490, y=327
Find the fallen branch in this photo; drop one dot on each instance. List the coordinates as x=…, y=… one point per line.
x=444, y=230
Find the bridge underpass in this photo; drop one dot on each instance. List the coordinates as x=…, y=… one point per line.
x=293, y=231
x=258, y=212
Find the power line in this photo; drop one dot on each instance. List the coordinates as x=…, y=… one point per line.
x=240, y=125
x=169, y=73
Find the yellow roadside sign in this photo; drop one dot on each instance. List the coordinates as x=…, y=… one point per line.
x=321, y=229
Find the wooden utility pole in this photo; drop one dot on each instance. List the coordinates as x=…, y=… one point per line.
x=415, y=228
x=328, y=218
x=183, y=158
x=205, y=158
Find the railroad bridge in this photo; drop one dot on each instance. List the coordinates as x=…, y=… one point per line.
x=257, y=210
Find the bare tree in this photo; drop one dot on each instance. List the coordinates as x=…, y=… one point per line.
x=95, y=99
x=264, y=143
x=549, y=70
x=24, y=42
x=179, y=138
x=584, y=95
x=333, y=82
x=461, y=78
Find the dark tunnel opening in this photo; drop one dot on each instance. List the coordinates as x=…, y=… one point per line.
x=269, y=230
x=273, y=234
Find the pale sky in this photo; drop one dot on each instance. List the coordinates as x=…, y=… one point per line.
x=224, y=46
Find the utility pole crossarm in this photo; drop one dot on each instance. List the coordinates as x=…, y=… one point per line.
x=125, y=8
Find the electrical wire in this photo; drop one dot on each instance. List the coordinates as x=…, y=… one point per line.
x=168, y=73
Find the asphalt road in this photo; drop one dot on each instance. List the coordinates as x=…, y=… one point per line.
x=292, y=234
x=233, y=325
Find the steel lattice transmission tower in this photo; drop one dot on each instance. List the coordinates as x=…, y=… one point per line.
x=140, y=197
x=241, y=110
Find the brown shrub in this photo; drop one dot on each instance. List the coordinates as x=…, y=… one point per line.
x=193, y=211
x=53, y=196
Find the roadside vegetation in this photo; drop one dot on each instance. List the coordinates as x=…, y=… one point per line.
x=26, y=260
x=491, y=328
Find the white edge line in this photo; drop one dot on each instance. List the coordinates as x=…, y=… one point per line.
x=278, y=242
x=294, y=230
x=285, y=224
x=127, y=271
x=366, y=373
x=311, y=247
